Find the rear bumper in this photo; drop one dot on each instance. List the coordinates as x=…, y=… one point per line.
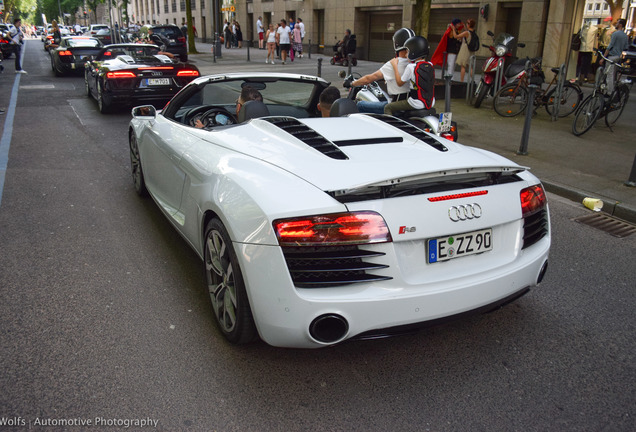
x=284, y=313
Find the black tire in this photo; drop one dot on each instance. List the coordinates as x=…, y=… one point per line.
x=481, y=94
x=587, y=113
x=87, y=88
x=54, y=68
x=617, y=102
x=511, y=100
x=226, y=287
x=570, y=99
x=135, y=167
x=102, y=102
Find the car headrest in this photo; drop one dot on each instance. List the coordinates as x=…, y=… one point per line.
x=342, y=107
x=252, y=109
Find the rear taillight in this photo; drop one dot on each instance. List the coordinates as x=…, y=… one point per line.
x=331, y=229
x=116, y=75
x=181, y=39
x=188, y=73
x=448, y=136
x=533, y=198
x=66, y=53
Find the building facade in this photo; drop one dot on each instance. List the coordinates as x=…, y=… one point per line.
x=544, y=26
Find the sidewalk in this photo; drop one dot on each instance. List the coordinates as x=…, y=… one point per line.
x=594, y=165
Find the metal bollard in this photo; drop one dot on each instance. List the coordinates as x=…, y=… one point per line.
x=471, y=78
x=447, y=92
x=214, y=41
x=319, y=74
x=558, y=93
x=248, y=43
x=523, y=148
x=349, y=65
x=631, y=182
x=309, y=49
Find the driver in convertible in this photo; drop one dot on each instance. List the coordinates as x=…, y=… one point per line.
x=387, y=73
x=247, y=94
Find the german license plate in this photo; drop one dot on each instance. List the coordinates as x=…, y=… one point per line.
x=158, y=81
x=445, y=122
x=457, y=245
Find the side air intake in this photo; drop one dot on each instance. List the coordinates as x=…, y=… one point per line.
x=411, y=130
x=307, y=135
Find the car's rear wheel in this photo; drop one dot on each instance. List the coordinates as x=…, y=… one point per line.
x=226, y=287
x=135, y=167
x=87, y=88
x=54, y=68
x=102, y=103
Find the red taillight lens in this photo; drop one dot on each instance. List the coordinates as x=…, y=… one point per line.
x=116, y=75
x=448, y=136
x=533, y=198
x=66, y=53
x=181, y=39
x=331, y=229
x=188, y=73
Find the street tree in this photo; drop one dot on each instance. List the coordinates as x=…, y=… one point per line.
x=192, y=49
x=422, y=15
x=616, y=9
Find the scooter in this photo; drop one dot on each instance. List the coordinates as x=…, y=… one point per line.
x=440, y=125
x=501, y=49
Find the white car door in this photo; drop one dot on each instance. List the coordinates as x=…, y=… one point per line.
x=161, y=149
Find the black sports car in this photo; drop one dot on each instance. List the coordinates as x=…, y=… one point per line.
x=73, y=53
x=134, y=74
x=628, y=59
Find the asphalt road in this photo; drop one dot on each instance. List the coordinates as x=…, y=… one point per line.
x=104, y=317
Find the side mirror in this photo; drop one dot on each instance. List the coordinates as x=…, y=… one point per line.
x=144, y=112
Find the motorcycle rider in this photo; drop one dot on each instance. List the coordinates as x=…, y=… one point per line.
x=387, y=73
x=421, y=74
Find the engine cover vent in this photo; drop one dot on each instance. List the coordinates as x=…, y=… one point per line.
x=307, y=135
x=408, y=128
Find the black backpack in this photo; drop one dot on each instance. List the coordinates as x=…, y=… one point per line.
x=473, y=45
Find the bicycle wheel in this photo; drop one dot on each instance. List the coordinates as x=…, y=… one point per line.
x=570, y=99
x=617, y=104
x=587, y=114
x=510, y=100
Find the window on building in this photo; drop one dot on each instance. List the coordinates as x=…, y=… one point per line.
x=598, y=6
x=166, y=7
x=182, y=5
x=174, y=5
x=605, y=7
x=589, y=7
x=193, y=4
x=202, y=5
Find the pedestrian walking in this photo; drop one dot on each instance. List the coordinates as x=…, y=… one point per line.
x=239, y=35
x=298, y=41
x=284, y=39
x=271, y=44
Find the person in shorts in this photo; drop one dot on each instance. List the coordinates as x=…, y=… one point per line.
x=284, y=40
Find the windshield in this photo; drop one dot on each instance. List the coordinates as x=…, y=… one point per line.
x=83, y=42
x=505, y=39
x=136, y=51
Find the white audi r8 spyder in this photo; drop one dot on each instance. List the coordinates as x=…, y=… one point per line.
x=318, y=230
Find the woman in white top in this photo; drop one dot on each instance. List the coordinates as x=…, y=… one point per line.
x=271, y=43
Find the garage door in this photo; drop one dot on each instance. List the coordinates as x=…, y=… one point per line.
x=382, y=25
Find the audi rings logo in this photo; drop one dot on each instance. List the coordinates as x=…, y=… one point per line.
x=157, y=73
x=464, y=212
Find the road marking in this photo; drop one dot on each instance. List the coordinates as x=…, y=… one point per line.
x=5, y=141
x=37, y=87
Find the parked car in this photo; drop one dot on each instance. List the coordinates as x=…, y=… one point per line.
x=73, y=53
x=175, y=41
x=94, y=28
x=129, y=74
x=313, y=230
x=103, y=35
x=628, y=59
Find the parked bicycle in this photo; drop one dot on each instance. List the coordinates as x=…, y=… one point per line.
x=512, y=99
x=600, y=103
